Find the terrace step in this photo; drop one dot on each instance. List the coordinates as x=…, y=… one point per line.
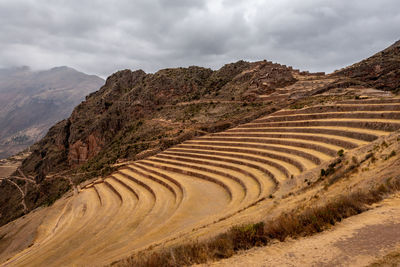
x=374, y=124
x=371, y=101
x=188, y=172
x=332, y=115
x=367, y=135
x=278, y=157
x=252, y=165
x=320, y=147
x=306, y=157
x=346, y=142
x=247, y=175
x=280, y=169
x=179, y=189
x=236, y=187
x=339, y=108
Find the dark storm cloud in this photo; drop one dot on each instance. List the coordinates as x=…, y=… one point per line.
x=102, y=36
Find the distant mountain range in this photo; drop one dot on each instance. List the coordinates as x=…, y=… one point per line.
x=32, y=101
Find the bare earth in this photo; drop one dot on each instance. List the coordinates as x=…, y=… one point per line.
x=357, y=241
x=6, y=171
x=8, y=166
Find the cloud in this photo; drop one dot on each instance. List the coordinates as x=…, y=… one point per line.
x=103, y=36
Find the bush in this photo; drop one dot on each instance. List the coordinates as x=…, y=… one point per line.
x=247, y=236
x=392, y=154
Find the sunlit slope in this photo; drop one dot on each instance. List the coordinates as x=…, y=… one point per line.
x=202, y=181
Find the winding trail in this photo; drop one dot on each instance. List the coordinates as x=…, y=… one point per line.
x=19, y=189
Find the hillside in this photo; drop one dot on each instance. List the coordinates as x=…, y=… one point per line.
x=153, y=161
x=380, y=71
x=32, y=101
x=237, y=175
x=137, y=114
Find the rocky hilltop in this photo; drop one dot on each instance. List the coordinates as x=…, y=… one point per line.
x=380, y=71
x=32, y=101
x=136, y=114
x=135, y=111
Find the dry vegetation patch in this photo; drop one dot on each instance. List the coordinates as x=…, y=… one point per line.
x=390, y=260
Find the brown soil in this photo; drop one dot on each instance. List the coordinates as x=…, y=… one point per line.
x=357, y=241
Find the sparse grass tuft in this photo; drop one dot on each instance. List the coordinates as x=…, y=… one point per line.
x=384, y=144
x=390, y=260
x=392, y=154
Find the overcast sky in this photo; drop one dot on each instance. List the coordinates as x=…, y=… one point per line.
x=103, y=36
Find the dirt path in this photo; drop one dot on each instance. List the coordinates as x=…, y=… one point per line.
x=357, y=241
x=20, y=190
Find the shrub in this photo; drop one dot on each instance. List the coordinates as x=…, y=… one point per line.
x=392, y=154
x=247, y=236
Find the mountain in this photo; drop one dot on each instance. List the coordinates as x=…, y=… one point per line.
x=137, y=114
x=135, y=111
x=32, y=101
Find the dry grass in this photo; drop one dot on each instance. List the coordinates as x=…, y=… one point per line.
x=390, y=260
x=292, y=224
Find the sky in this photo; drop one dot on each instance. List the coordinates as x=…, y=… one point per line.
x=103, y=36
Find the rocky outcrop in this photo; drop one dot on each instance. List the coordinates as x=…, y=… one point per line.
x=80, y=151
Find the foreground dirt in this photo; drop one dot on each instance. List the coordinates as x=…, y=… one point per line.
x=357, y=241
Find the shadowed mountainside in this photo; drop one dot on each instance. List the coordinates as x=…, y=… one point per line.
x=32, y=101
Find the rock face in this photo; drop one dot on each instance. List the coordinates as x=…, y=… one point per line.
x=381, y=71
x=80, y=152
x=31, y=102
